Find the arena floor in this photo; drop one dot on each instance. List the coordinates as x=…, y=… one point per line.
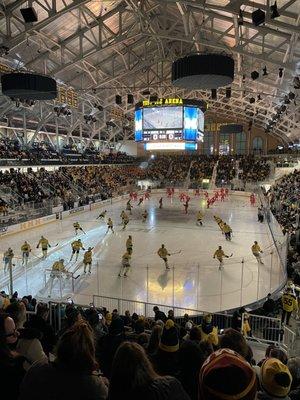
x=193, y=282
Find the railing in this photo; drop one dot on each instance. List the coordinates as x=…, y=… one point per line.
x=269, y=330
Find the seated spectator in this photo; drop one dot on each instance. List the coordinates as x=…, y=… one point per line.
x=294, y=367
x=39, y=322
x=134, y=378
x=109, y=344
x=73, y=374
x=275, y=380
x=233, y=340
x=274, y=352
x=165, y=360
x=226, y=375
x=154, y=339
x=209, y=332
x=11, y=362
x=191, y=356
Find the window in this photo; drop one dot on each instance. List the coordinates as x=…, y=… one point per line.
x=257, y=145
x=240, y=143
x=224, y=143
x=208, y=143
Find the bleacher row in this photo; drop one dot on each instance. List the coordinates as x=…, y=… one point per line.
x=99, y=354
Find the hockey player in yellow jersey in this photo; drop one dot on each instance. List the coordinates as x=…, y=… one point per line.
x=76, y=247
x=44, y=245
x=219, y=254
x=199, y=218
x=226, y=230
x=7, y=258
x=102, y=215
x=125, y=220
x=110, y=225
x=289, y=304
x=145, y=215
x=257, y=251
x=57, y=270
x=163, y=254
x=125, y=266
x=77, y=227
x=129, y=245
x=87, y=259
x=25, y=249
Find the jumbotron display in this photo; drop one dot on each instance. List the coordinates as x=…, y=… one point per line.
x=170, y=124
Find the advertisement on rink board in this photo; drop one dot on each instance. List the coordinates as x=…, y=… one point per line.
x=23, y=226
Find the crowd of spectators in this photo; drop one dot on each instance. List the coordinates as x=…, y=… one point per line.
x=202, y=168
x=284, y=198
x=226, y=170
x=180, y=167
x=253, y=169
x=97, y=354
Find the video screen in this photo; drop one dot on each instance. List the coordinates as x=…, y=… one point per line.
x=138, y=125
x=162, y=118
x=190, y=123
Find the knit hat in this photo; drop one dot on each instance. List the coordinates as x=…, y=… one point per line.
x=275, y=378
x=225, y=375
x=169, y=339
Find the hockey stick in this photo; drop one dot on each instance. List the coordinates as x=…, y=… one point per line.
x=76, y=277
x=176, y=252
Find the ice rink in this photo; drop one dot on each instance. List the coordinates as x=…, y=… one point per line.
x=194, y=280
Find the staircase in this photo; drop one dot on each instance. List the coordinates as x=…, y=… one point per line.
x=187, y=180
x=212, y=184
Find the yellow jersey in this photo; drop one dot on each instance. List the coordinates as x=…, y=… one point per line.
x=256, y=249
x=76, y=245
x=163, y=252
x=44, y=243
x=87, y=258
x=76, y=225
x=199, y=215
x=219, y=253
x=226, y=228
x=25, y=248
x=289, y=302
x=58, y=266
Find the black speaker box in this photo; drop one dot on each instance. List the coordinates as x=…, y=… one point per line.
x=29, y=14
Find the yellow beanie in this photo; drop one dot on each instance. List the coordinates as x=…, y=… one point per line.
x=276, y=378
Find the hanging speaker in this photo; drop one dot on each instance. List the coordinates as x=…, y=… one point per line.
x=29, y=14
x=118, y=99
x=153, y=98
x=214, y=94
x=130, y=99
x=228, y=93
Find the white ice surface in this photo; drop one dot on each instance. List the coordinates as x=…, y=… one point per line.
x=194, y=281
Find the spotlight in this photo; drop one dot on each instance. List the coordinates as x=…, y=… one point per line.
x=214, y=94
x=130, y=99
x=265, y=72
x=254, y=75
x=274, y=10
x=258, y=17
x=29, y=15
x=118, y=99
x=228, y=93
x=252, y=100
x=280, y=73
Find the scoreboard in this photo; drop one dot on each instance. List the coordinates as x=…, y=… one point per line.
x=170, y=121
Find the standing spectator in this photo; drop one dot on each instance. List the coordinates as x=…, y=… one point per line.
x=11, y=362
x=294, y=367
x=134, y=378
x=236, y=322
x=154, y=339
x=73, y=373
x=269, y=306
x=159, y=315
x=289, y=304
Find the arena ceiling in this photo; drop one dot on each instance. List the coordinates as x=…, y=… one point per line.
x=104, y=48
